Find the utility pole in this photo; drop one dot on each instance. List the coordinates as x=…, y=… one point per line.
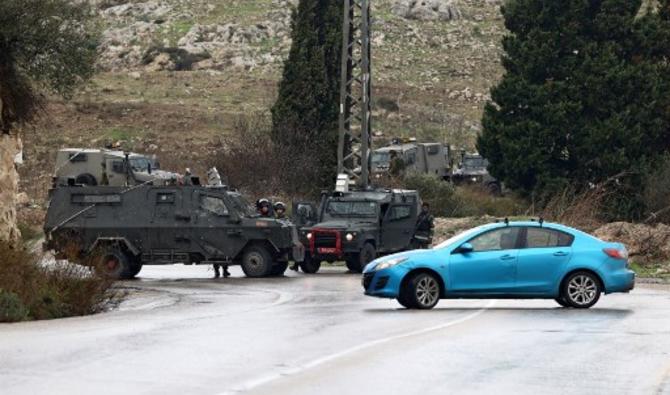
x=355, y=93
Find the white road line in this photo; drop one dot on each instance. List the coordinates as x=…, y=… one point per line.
x=260, y=381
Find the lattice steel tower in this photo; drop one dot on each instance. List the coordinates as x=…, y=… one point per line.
x=355, y=92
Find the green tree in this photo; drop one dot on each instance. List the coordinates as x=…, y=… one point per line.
x=45, y=46
x=305, y=115
x=581, y=101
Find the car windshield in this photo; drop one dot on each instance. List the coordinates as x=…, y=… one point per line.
x=142, y=164
x=363, y=209
x=457, y=238
x=242, y=205
x=380, y=158
x=475, y=162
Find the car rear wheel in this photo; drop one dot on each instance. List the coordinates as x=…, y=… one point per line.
x=357, y=262
x=421, y=291
x=581, y=290
x=256, y=261
x=310, y=265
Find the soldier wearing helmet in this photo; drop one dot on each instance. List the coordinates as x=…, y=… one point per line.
x=280, y=210
x=264, y=208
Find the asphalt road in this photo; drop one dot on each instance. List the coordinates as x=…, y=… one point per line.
x=181, y=332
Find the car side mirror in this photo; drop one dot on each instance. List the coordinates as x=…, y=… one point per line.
x=464, y=249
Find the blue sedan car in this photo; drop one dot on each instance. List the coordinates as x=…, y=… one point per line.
x=505, y=260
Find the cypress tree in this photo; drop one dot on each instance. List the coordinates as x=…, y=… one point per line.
x=582, y=99
x=305, y=115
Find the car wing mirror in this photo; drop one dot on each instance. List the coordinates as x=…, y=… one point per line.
x=464, y=249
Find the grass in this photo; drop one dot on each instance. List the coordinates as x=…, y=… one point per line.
x=658, y=271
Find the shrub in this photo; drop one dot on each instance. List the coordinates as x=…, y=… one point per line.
x=439, y=194
x=32, y=289
x=477, y=201
x=656, y=196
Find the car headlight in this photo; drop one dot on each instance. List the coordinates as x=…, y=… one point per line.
x=309, y=235
x=350, y=236
x=390, y=263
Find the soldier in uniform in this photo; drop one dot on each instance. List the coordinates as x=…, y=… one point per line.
x=263, y=206
x=397, y=165
x=280, y=210
x=424, y=227
x=217, y=271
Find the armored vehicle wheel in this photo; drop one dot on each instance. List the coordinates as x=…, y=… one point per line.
x=356, y=263
x=114, y=263
x=310, y=265
x=86, y=179
x=256, y=261
x=279, y=268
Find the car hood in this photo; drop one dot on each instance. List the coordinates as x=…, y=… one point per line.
x=345, y=225
x=414, y=255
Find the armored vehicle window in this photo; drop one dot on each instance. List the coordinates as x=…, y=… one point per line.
x=380, y=158
x=214, y=205
x=433, y=149
x=96, y=199
x=368, y=209
x=411, y=158
x=78, y=157
x=165, y=198
x=117, y=166
x=400, y=212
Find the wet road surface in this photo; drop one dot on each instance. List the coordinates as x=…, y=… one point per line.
x=182, y=332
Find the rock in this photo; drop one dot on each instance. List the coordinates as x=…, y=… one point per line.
x=9, y=188
x=22, y=199
x=136, y=75
x=427, y=10
x=161, y=62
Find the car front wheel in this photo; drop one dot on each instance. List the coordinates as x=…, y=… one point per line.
x=421, y=291
x=581, y=290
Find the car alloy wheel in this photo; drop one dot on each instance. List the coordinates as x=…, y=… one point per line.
x=582, y=290
x=427, y=291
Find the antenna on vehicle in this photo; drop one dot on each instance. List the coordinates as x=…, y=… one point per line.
x=541, y=221
x=506, y=221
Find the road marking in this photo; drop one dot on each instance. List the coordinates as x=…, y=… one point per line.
x=255, y=383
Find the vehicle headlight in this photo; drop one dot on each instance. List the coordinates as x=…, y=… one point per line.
x=390, y=263
x=350, y=236
x=309, y=235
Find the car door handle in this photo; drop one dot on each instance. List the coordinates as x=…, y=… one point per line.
x=560, y=253
x=507, y=257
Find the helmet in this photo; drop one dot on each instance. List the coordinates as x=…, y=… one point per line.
x=263, y=202
x=280, y=206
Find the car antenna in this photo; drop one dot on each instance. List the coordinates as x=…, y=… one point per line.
x=506, y=221
x=541, y=221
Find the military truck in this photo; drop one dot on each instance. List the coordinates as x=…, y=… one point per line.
x=425, y=158
x=128, y=227
x=356, y=226
x=473, y=169
x=93, y=167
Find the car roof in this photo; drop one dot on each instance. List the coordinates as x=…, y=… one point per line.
x=120, y=154
x=536, y=224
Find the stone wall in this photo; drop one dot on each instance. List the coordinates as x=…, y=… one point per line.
x=10, y=146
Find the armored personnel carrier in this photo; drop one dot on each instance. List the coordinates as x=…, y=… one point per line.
x=148, y=225
x=357, y=226
x=473, y=170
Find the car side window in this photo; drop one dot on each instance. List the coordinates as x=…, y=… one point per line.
x=547, y=238
x=213, y=205
x=496, y=240
x=400, y=212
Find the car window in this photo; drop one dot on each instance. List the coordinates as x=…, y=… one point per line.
x=400, y=212
x=213, y=205
x=544, y=238
x=496, y=240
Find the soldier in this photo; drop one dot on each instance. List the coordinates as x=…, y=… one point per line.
x=263, y=206
x=187, y=177
x=217, y=271
x=397, y=165
x=280, y=210
x=424, y=227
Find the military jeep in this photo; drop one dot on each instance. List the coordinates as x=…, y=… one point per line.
x=147, y=225
x=356, y=226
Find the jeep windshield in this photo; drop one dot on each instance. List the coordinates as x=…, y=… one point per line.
x=475, y=162
x=380, y=159
x=352, y=209
x=142, y=164
x=242, y=205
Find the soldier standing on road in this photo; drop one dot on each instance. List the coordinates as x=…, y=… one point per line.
x=217, y=271
x=424, y=227
x=397, y=165
x=263, y=206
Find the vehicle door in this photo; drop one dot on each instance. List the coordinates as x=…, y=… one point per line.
x=304, y=214
x=490, y=267
x=398, y=227
x=215, y=226
x=167, y=223
x=543, y=259
x=116, y=171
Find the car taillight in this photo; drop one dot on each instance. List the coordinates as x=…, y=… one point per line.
x=616, y=253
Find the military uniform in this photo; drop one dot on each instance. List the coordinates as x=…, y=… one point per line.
x=424, y=229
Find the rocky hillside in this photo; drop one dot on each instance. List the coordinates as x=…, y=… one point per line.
x=176, y=75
